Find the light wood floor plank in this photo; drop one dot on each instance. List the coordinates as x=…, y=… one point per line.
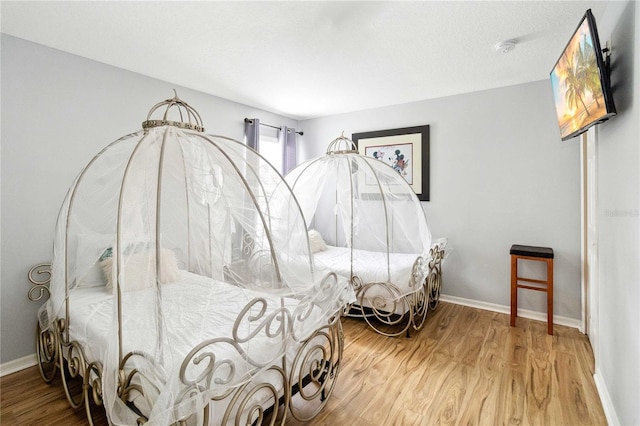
x=465, y=367
x=539, y=383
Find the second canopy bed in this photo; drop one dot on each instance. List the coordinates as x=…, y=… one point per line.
x=367, y=224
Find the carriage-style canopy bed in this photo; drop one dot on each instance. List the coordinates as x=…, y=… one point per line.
x=182, y=285
x=367, y=225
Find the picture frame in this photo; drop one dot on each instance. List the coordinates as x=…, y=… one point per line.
x=405, y=149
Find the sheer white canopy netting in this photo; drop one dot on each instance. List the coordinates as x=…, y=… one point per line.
x=165, y=232
x=360, y=203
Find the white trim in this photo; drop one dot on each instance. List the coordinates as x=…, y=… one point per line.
x=18, y=364
x=605, y=399
x=584, y=251
x=503, y=309
x=593, y=256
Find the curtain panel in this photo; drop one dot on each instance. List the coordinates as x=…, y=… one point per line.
x=288, y=142
x=252, y=133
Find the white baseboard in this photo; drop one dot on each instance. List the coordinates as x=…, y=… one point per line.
x=18, y=364
x=605, y=398
x=524, y=313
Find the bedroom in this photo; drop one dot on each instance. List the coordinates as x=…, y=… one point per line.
x=492, y=157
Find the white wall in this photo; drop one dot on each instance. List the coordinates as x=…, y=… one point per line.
x=618, y=217
x=500, y=175
x=58, y=111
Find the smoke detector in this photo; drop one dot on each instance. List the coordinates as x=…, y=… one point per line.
x=505, y=46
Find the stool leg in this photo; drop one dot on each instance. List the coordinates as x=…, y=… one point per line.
x=514, y=290
x=550, y=296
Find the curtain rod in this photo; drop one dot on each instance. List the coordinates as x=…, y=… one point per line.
x=250, y=121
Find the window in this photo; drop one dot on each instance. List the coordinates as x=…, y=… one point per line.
x=271, y=150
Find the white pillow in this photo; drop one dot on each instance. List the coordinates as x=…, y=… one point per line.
x=90, y=246
x=94, y=277
x=139, y=270
x=316, y=241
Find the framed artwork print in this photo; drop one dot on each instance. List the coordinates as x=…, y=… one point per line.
x=405, y=149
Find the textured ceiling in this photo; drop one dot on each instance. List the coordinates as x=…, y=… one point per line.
x=311, y=59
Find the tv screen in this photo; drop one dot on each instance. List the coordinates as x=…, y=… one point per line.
x=580, y=82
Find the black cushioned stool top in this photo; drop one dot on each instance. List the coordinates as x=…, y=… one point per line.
x=532, y=251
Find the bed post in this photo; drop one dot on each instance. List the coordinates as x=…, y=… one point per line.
x=39, y=284
x=47, y=341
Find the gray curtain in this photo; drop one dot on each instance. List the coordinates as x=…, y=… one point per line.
x=252, y=133
x=288, y=141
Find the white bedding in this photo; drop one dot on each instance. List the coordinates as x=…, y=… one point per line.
x=194, y=311
x=372, y=266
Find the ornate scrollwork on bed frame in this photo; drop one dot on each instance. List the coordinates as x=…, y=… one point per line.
x=46, y=341
x=315, y=370
x=434, y=279
x=254, y=265
x=305, y=382
x=39, y=284
x=381, y=312
x=55, y=352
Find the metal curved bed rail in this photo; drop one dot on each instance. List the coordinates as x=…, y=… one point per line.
x=380, y=312
x=306, y=382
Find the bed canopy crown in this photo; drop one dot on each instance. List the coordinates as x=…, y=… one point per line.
x=153, y=229
x=194, y=122
x=342, y=145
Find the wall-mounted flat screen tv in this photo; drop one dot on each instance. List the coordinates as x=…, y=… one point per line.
x=580, y=82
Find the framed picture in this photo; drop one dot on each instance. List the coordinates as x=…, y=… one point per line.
x=405, y=149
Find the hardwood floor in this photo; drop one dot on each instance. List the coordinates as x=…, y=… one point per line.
x=467, y=366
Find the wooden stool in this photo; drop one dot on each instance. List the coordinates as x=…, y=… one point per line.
x=541, y=254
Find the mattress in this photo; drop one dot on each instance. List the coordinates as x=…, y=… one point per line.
x=372, y=266
x=195, y=309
